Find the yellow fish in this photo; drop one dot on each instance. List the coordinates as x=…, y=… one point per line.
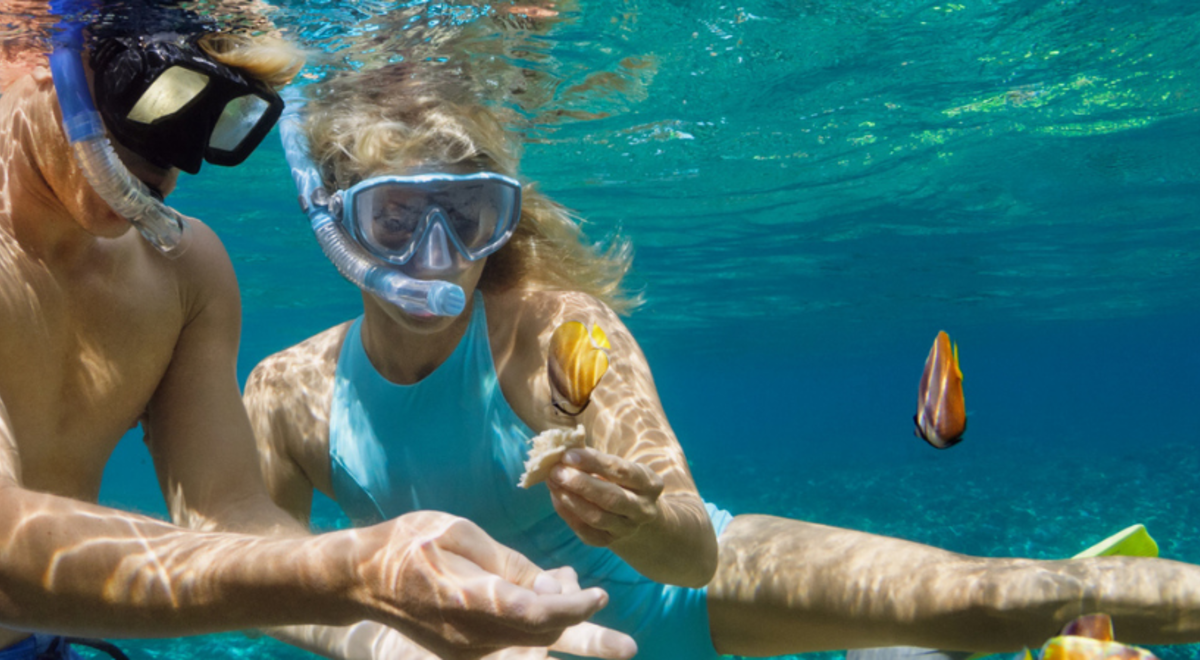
x=1090, y=638
x=577, y=361
x=941, y=417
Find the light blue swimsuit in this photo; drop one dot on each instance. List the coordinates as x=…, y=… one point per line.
x=452, y=443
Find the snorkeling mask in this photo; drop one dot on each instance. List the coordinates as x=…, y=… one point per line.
x=162, y=226
x=166, y=100
x=371, y=231
x=397, y=217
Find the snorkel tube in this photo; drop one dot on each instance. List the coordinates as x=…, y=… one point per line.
x=353, y=262
x=158, y=223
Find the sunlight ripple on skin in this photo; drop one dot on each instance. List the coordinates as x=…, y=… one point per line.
x=10, y=464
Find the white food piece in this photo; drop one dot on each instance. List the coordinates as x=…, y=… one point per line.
x=546, y=450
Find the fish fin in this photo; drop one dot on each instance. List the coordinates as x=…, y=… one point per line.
x=1093, y=626
x=599, y=338
x=957, y=367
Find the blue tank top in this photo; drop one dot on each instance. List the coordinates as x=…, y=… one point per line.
x=451, y=442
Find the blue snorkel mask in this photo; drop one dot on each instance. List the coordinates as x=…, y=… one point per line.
x=383, y=224
x=419, y=218
x=161, y=225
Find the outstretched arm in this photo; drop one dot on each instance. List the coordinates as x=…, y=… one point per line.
x=787, y=586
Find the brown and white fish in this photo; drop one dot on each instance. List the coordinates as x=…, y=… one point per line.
x=941, y=417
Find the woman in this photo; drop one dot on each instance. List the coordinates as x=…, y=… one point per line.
x=402, y=409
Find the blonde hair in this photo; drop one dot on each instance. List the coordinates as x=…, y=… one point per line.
x=391, y=120
x=268, y=58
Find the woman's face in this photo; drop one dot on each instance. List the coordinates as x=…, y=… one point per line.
x=436, y=256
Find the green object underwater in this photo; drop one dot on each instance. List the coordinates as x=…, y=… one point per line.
x=1133, y=541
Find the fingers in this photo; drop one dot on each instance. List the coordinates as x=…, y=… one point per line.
x=484, y=595
x=586, y=523
x=532, y=598
x=488, y=611
x=470, y=541
x=565, y=578
x=615, y=469
x=605, y=492
x=518, y=653
x=592, y=641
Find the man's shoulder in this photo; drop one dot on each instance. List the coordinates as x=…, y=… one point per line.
x=203, y=268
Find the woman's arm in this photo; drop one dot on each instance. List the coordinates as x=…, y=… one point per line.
x=630, y=490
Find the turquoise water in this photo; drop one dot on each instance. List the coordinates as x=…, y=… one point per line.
x=814, y=190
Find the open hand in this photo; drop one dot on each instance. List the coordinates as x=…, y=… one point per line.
x=602, y=497
x=444, y=582
x=586, y=639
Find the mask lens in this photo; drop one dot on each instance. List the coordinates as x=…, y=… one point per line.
x=478, y=212
x=388, y=217
x=168, y=94
x=238, y=118
x=392, y=214
x=470, y=211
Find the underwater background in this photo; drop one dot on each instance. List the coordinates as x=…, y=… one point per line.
x=814, y=190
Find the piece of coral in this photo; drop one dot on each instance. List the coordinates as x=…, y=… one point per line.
x=546, y=450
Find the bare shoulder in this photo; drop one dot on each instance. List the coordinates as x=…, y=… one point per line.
x=300, y=376
x=534, y=314
x=520, y=325
x=205, y=273
x=288, y=398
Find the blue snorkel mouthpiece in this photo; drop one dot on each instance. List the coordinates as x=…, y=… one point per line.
x=353, y=262
x=159, y=224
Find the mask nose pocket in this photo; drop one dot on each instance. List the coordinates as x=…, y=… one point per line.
x=434, y=251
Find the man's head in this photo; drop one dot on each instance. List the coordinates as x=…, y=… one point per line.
x=168, y=103
x=172, y=100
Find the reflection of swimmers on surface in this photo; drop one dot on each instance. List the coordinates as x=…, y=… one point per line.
x=100, y=329
x=401, y=410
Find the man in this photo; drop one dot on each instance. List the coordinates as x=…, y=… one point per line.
x=101, y=328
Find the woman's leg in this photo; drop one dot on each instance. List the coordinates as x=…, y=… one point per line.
x=786, y=586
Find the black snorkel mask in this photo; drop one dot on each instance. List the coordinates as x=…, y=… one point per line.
x=166, y=100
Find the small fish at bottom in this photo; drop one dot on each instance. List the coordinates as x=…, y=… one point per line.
x=1089, y=637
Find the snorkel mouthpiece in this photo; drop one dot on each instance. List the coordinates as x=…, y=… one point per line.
x=416, y=296
x=159, y=224
x=353, y=262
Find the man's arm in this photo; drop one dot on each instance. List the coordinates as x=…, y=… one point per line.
x=78, y=568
